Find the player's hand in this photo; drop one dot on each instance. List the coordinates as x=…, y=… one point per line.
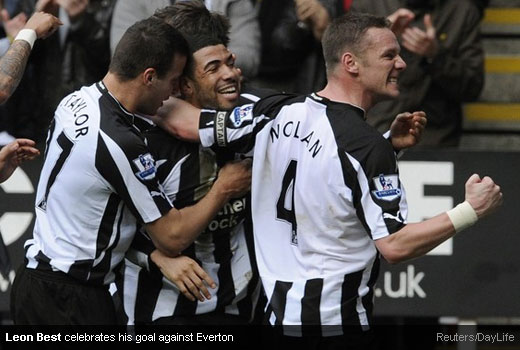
x=186, y=274
x=44, y=24
x=422, y=43
x=406, y=129
x=234, y=179
x=400, y=20
x=483, y=195
x=14, y=154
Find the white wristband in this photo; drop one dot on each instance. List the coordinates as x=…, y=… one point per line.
x=28, y=35
x=462, y=216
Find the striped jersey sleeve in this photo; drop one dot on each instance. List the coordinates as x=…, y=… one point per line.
x=370, y=172
x=237, y=129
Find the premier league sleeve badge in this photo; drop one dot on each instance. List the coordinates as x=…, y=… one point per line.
x=387, y=187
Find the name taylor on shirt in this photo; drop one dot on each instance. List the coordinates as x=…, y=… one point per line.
x=76, y=105
x=292, y=130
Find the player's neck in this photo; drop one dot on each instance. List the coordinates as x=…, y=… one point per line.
x=123, y=92
x=339, y=92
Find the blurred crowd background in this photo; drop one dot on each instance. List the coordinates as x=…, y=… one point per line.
x=461, y=56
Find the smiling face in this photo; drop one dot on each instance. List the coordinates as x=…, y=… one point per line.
x=215, y=81
x=380, y=64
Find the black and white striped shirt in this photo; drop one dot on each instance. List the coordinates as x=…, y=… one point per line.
x=224, y=250
x=325, y=185
x=97, y=186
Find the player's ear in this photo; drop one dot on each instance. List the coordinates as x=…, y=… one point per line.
x=148, y=76
x=187, y=87
x=350, y=63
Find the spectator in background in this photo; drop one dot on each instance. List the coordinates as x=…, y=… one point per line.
x=442, y=49
x=78, y=56
x=244, y=37
x=291, y=50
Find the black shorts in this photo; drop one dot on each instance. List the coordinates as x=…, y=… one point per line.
x=54, y=298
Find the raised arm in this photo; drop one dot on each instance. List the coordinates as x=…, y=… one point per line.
x=235, y=129
x=483, y=196
x=12, y=64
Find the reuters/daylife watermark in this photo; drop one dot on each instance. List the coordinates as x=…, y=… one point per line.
x=479, y=337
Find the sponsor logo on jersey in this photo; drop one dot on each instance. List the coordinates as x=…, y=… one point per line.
x=241, y=114
x=386, y=187
x=146, y=166
x=229, y=216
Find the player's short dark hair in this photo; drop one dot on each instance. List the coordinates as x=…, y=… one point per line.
x=197, y=24
x=346, y=33
x=149, y=43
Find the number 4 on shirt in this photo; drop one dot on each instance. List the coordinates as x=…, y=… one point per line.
x=285, y=204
